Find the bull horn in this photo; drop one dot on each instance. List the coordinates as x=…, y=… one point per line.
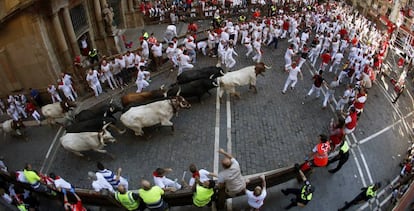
x=221, y=72
x=267, y=67
x=105, y=126
x=112, y=100
x=101, y=139
x=179, y=91
x=211, y=76
x=215, y=83
x=162, y=87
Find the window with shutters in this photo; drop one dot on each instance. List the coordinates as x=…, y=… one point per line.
x=79, y=20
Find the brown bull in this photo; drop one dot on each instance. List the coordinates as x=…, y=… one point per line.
x=135, y=99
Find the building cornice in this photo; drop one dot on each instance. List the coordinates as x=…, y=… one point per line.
x=21, y=6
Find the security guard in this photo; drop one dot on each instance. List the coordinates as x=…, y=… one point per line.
x=242, y=18
x=93, y=56
x=342, y=157
x=203, y=193
x=152, y=196
x=303, y=195
x=128, y=199
x=366, y=194
x=35, y=181
x=273, y=9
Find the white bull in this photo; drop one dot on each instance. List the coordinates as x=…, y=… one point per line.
x=56, y=110
x=79, y=142
x=241, y=77
x=159, y=112
x=12, y=127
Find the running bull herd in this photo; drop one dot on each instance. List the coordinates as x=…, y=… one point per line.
x=89, y=128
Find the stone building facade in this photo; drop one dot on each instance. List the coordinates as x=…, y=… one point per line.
x=39, y=39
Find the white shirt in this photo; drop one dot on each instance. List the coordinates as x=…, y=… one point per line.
x=157, y=50
x=67, y=79
x=289, y=53
x=101, y=183
x=170, y=52
x=130, y=60
x=256, y=201
x=65, y=89
x=184, y=59
x=173, y=29
x=203, y=177
x=52, y=90
x=293, y=73
x=106, y=69
x=93, y=78
x=61, y=183
x=121, y=62
x=338, y=57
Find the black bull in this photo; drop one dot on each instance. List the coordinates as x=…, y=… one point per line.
x=206, y=72
x=91, y=125
x=195, y=88
x=101, y=112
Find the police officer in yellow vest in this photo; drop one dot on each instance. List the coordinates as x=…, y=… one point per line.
x=366, y=194
x=273, y=9
x=93, y=56
x=128, y=199
x=203, y=193
x=342, y=156
x=242, y=18
x=303, y=195
x=152, y=196
x=35, y=181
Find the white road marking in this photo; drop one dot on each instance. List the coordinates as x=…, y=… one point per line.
x=217, y=134
x=229, y=201
x=371, y=181
x=361, y=174
x=228, y=109
x=50, y=148
x=385, y=129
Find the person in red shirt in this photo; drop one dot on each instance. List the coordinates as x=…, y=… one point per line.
x=192, y=29
x=351, y=121
x=326, y=59
x=78, y=206
x=318, y=80
x=285, y=28
x=31, y=109
x=360, y=100
x=336, y=132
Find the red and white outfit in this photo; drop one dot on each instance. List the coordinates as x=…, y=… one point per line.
x=163, y=182
x=350, y=122
x=359, y=102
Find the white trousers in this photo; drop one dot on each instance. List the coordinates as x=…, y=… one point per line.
x=97, y=89
x=56, y=97
x=141, y=84
x=111, y=81
x=330, y=95
x=291, y=81
x=315, y=89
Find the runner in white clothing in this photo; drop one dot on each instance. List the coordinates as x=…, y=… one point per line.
x=93, y=80
x=229, y=60
x=293, y=77
x=106, y=69
x=142, y=78
x=53, y=93
x=256, y=197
